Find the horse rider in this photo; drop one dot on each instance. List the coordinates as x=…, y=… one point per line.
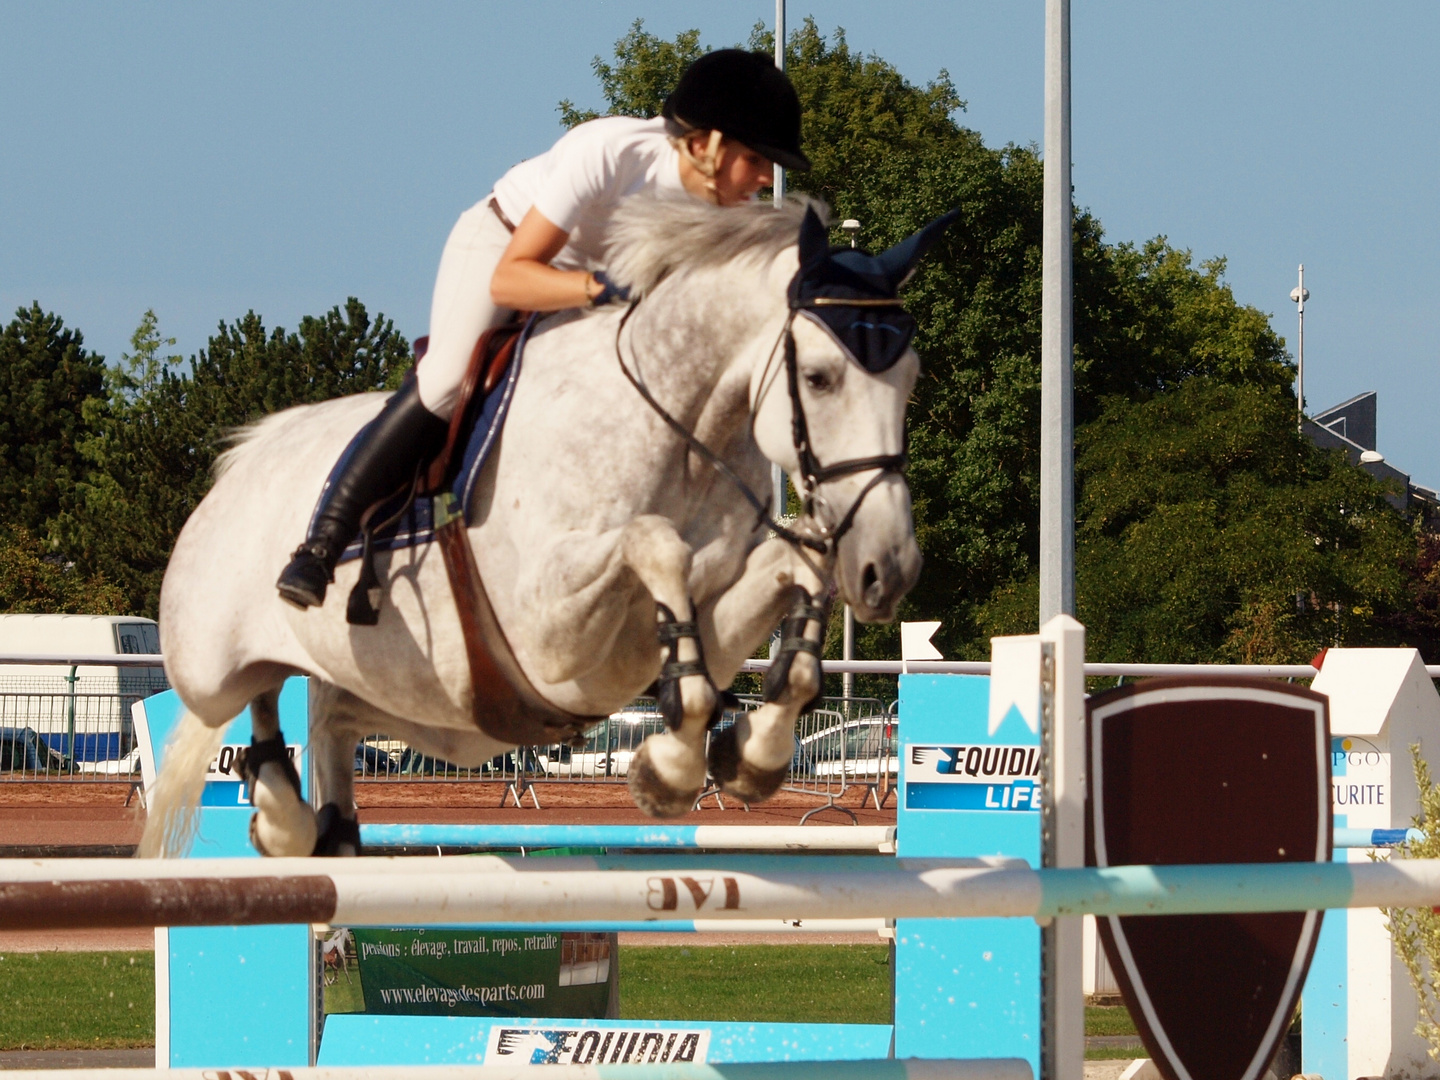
x=731, y=118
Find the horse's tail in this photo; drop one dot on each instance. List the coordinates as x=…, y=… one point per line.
x=173, y=808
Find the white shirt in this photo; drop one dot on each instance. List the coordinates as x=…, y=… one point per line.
x=577, y=182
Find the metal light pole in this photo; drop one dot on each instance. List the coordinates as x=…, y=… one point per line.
x=1057, y=417
x=779, y=63
x=777, y=474
x=1062, y=1040
x=1300, y=294
x=851, y=228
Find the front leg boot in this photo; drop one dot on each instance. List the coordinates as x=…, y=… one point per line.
x=801, y=631
x=283, y=823
x=338, y=835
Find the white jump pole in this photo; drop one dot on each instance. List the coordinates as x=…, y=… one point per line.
x=489, y=890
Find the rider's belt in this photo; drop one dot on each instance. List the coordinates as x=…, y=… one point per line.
x=495, y=205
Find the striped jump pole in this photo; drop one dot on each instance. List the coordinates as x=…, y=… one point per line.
x=490, y=890
x=877, y=838
x=878, y=1069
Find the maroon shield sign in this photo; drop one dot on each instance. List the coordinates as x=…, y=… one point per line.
x=1212, y=771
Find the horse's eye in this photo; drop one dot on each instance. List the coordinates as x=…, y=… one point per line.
x=817, y=381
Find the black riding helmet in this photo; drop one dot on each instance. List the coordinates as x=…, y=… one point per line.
x=746, y=97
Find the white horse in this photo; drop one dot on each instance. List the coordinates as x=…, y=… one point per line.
x=599, y=519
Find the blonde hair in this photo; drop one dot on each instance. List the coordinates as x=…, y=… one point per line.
x=707, y=164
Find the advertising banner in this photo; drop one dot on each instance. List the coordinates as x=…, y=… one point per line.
x=429, y=972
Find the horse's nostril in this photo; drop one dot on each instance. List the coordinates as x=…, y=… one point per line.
x=870, y=585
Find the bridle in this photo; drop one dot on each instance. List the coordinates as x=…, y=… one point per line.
x=812, y=473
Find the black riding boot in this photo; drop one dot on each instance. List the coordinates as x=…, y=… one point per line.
x=384, y=459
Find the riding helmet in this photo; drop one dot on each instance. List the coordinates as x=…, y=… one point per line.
x=745, y=96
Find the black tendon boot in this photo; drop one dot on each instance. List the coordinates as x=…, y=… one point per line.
x=385, y=457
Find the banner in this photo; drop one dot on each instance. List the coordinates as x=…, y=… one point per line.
x=429, y=972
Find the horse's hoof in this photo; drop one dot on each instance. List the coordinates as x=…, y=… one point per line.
x=652, y=794
x=293, y=843
x=737, y=777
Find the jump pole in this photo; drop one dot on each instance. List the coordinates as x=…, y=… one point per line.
x=877, y=838
x=429, y=891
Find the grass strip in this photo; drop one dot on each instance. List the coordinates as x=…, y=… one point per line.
x=1109, y=1020
x=77, y=1001
x=781, y=984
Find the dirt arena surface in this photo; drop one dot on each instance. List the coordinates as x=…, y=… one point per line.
x=42, y=824
x=87, y=814
x=31, y=941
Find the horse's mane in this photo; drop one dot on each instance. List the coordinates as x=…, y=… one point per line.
x=650, y=238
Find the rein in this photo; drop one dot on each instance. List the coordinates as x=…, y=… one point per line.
x=812, y=472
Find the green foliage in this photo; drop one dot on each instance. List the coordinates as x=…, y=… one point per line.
x=154, y=441
x=36, y=580
x=1417, y=623
x=46, y=379
x=1208, y=528
x=1415, y=932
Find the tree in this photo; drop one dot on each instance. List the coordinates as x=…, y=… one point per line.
x=1209, y=529
x=46, y=379
x=156, y=438
x=35, y=580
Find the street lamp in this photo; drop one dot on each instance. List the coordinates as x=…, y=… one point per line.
x=851, y=228
x=1300, y=294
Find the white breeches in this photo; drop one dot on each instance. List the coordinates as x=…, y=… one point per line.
x=461, y=309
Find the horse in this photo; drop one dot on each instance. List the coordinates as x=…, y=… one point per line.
x=615, y=527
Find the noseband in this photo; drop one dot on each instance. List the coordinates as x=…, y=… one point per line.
x=812, y=472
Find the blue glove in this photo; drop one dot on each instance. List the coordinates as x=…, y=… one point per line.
x=610, y=292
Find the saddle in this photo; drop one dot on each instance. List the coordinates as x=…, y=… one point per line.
x=405, y=518
x=436, y=508
x=489, y=360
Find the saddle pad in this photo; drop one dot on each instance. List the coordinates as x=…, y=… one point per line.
x=416, y=525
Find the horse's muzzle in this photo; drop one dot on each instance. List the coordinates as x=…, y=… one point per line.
x=882, y=582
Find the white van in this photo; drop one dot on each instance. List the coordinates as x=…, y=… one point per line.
x=81, y=713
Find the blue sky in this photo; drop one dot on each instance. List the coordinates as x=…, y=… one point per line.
x=204, y=160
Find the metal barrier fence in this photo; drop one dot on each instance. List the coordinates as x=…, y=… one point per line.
x=843, y=743
x=72, y=727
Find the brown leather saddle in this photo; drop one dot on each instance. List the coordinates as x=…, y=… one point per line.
x=504, y=703
x=489, y=360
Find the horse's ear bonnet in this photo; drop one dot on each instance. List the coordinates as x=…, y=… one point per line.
x=875, y=330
